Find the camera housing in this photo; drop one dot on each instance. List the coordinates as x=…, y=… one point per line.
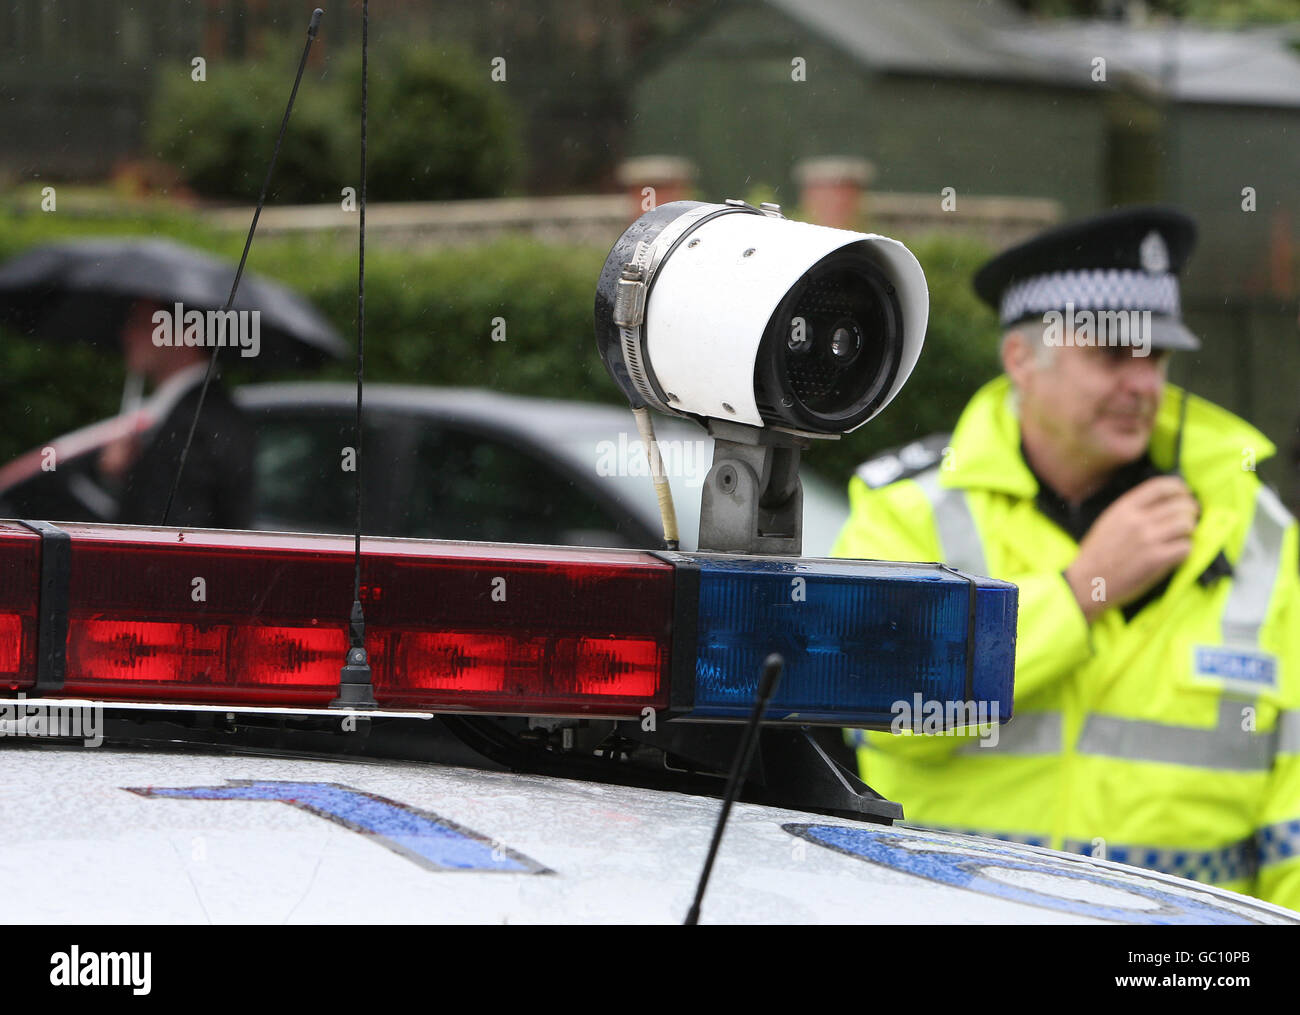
x=770, y=333
x=735, y=313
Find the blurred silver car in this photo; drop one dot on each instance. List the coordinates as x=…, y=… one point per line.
x=438, y=463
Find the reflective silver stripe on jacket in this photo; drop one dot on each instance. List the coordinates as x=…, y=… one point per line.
x=1288, y=733
x=1234, y=862
x=1025, y=733
x=1278, y=843
x=1256, y=569
x=958, y=536
x=1226, y=746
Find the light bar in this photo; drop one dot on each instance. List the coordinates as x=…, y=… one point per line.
x=256, y=619
x=857, y=637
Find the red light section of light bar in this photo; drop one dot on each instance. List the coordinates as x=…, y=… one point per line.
x=152, y=652
x=486, y=670
x=11, y=645
x=462, y=661
x=627, y=667
x=288, y=656
x=579, y=632
x=211, y=661
x=20, y=550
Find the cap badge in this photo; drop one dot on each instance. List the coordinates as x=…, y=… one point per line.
x=1153, y=253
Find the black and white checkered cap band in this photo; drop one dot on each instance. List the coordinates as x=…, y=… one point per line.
x=1094, y=289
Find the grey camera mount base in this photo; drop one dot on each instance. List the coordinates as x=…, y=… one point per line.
x=753, y=500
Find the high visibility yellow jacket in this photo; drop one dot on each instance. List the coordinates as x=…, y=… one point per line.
x=1171, y=741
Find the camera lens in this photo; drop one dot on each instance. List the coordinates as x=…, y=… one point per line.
x=850, y=322
x=846, y=340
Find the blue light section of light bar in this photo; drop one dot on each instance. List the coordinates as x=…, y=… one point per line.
x=857, y=637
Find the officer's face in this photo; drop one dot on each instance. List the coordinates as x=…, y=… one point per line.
x=137, y=338
x=1097, y=404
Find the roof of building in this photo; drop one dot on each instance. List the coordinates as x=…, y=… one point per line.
x=1187, y=63
x=924, y=36
x=993, y=40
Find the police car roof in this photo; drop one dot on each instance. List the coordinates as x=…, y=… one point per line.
x=156, y=837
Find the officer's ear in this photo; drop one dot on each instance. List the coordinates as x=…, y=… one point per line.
x=1019, y=358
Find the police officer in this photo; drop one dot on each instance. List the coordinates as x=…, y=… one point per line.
x=1157, y=695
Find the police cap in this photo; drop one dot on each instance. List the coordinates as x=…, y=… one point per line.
x=1127, y=259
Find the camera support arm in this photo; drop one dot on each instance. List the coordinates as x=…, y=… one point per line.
x=753, y=500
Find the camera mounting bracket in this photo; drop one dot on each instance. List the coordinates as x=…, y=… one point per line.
x=752, y=500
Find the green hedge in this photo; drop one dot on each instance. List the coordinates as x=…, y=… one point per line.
x=429, y=320
x=439, y=129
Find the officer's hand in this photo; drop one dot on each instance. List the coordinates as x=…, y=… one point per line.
x=1135, y=542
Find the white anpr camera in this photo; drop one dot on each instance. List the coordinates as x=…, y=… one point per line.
x=770, y=333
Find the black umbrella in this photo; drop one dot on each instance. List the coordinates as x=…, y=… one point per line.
x=83, y=290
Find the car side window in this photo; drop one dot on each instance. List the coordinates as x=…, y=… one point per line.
x=465, y=485
x=303, y=478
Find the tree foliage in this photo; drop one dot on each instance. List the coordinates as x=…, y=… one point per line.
x=439, y=129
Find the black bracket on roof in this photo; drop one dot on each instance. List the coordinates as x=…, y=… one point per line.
x=51, y=607
x=798, y=773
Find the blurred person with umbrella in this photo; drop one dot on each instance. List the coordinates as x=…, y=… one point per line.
x=214, y=489
x=157, y=301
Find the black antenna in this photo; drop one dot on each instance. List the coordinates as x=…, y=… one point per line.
x=767, y=683
x=355, y=686
x=239, y=272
